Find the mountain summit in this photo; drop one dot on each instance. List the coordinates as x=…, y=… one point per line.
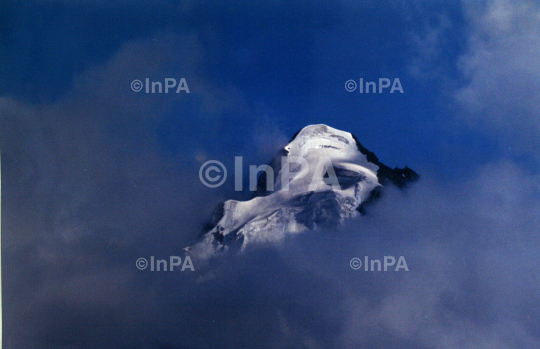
x=320, y=178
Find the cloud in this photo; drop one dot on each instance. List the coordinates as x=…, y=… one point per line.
x=88, y=188
x=430, y=44
x=470, y=249
x=64, y=158
x=500, y=68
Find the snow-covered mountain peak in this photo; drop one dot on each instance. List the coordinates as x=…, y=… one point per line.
x=320, y=178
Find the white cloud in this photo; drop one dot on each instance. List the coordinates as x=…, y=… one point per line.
x=502, y=70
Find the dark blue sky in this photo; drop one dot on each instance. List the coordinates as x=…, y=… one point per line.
x=288, y=63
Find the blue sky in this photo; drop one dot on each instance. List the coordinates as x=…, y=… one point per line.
x=96, y=175
x=287, y=63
